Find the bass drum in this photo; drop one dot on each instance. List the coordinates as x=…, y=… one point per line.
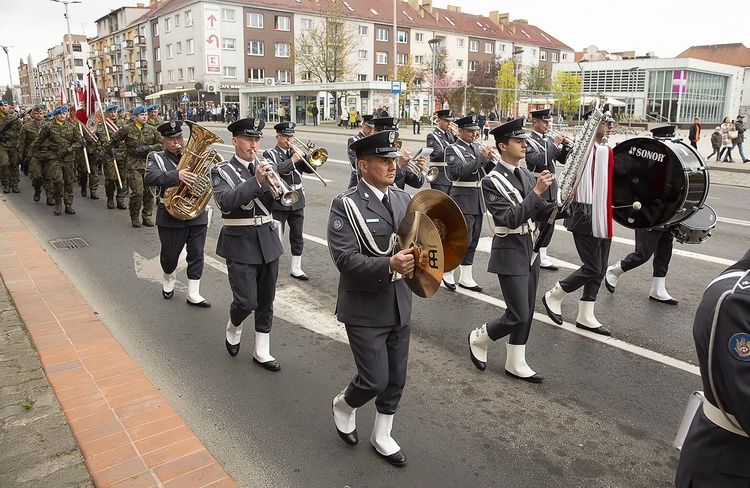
x=667, y=177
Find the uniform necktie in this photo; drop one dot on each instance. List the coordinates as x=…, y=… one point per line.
x=387, y=205
x=517, y=172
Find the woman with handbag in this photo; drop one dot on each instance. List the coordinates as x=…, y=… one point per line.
x=727, y=130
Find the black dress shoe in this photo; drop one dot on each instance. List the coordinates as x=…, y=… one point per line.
x=302, y=277
x=668, y=301
x=476, y=288
x=204, y=304
x=398, y=459
x=167, y=294
x=480, y=365
x=551, y=267
x=596, y=330
x=531, y=379
x=556, y=317
x=350, y=439
x=272, y=365
x=232, y=350
x=610, y=288
x=450, y=286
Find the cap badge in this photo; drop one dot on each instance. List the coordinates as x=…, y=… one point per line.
x=391, y=137
x=256, y=123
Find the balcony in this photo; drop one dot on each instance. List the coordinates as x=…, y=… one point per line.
x=141, y=64
x=128, y=44
x=114, y=48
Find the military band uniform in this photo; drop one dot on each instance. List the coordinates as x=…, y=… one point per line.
x=138, y=140
x=10, y=126
x=248, y=241
x=355, y=177
x=38, y=167
x=439, y=140
x=57, y=143
x=176, y=234
x=717, y=447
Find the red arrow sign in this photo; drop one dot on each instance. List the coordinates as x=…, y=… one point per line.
x=212, y=38
x=212, y=19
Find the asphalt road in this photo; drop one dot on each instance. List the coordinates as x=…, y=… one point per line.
x=605, y=415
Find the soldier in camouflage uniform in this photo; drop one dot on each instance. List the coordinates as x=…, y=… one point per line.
x=139, y=138
x=57, y=142
x=153, y=115
x=84, y=177
x=122, y=116
x=10, y=126
x=38, y=167
x=117, y=153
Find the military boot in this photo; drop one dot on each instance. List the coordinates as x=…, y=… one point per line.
x=69, y=209
x=58, y=208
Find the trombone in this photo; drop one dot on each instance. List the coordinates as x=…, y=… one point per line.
x=313, y=158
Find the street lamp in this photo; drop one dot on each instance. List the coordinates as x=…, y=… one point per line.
x=516, y=52
x=434, y=43
x=70, y=38
x=10, y=73
x=632, y=94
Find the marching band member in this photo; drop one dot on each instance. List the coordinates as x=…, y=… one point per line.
x=467, y=165
x=289, y=165
x=590, y=222
x=248, y=242
x=374, y=305
x=174, y=234
x=367, y=129
x=403, y=176
x=439, y=139
x=541, y=153
x=717, y=446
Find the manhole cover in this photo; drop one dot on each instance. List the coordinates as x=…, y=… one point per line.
x=69, y=243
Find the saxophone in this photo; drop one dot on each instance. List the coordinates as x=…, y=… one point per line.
x=570, y=176
x=186, y=202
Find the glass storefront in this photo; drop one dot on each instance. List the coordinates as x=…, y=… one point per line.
x=677, y=96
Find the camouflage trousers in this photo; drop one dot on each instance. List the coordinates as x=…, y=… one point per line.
x=9, y=173
x=110, y=178
x=62, y=180
x=141, y=198
x=41, y=175
x=92, y=179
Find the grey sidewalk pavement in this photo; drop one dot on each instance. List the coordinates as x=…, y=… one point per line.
x=37, y=448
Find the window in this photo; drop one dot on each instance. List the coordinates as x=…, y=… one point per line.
x=230, y=72
x=305, y=24
x=474, y=46
x=179, y=74
x=306, y=49
x=283, y=76
x=555, y=57
x=565, y=57
x=255, y=48
x=256, y=74
x=533, y=53
x=489, y=47
x=418, y=59
x=190, y=46
x=158, y=78
x=381, y=34
x=543, y=55
x=542, y=72
x=170, y=76
x=179, y=47
x=362, y=30
x=188, y=18
x=191, y=74
x=282, y=50
x=157, y=54
x=177, y=20
x=381, y=78
x=282, y=23
x=459, y=63
x=228, y=43
x=402, y=37
x=473, y=65
x=255, y=20
x=169, y=51
x=361, y=77
x=227, y=15
x=78, y=62
x=305, y=76
x=168, y=24
x=501, y=48
x=381, y=58
x=460, y=42
x=403, y=58
x=362, y=54
x=418, y=37
x=156, y=29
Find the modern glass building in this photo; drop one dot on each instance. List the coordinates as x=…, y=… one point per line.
x=673, y=90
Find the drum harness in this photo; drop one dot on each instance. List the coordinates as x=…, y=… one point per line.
x=511, y=194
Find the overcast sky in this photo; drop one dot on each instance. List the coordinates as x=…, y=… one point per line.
x=664, y=27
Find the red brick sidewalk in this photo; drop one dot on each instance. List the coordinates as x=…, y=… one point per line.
x=127, y=432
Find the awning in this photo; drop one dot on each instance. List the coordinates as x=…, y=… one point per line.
x=159, y=94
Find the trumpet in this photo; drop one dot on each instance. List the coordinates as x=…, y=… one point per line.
x=494, y=155
x=280, y=191
x=429, y=174
x=313, y=158
x=567, y=141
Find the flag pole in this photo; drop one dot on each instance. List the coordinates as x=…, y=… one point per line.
x=85, y=153
x=106, y=127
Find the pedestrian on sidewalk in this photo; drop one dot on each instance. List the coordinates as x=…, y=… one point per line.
x=739, y=126
x=715, y=143
x=695, y=132
x=726, y=141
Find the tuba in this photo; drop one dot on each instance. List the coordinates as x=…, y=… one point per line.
x=186, y=202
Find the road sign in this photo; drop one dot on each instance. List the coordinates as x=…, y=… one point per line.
x=396, y=87
x=185, y=98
